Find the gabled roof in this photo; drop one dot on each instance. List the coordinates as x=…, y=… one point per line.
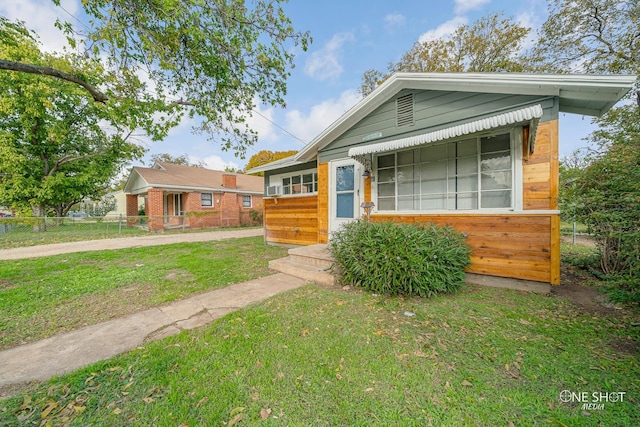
x=590, y=95
x=188, y=178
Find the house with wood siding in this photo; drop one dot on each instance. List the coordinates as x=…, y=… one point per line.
x=478, y=151
x=192, y=197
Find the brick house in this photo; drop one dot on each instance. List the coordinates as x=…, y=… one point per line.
x=192, y=197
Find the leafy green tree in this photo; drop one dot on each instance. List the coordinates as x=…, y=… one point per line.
x=209, y=59
x=183, y=160
x=491, y=44
x=596, y=36
x=601, y=36
x=54, y=147
x=263, y=157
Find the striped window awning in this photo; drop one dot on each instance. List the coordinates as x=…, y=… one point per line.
x=531, y=114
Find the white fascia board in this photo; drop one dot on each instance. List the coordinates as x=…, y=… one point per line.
x=278, y=164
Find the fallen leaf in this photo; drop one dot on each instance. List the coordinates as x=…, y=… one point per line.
x=304, y=332
x=368, y=390
x=236, y=419
x=201, y=401
x=148, y=399
x=26, y=403
x=551, y=406
x=116, y=411
x=115, y=368
x=525, y=322
x=265, y=412
x=79, y=409
x=511, y=424
x=466, y=383
x=237, y=410
x=338, y=376
x=339, y=302
x=47, y=410
x=506, y=366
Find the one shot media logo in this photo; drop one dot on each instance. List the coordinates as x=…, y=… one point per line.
x=594, y=400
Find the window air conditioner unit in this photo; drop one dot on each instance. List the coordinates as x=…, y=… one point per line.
x=273, y=190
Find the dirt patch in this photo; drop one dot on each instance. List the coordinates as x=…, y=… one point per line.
x=581, y=239
x=179, y=275
x=626, y=346
x=573, y=287
x=6, y=284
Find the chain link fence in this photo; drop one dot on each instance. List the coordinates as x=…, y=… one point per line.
x=21, y=231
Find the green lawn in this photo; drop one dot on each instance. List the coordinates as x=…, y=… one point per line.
x=41, y=297
x=314, y=356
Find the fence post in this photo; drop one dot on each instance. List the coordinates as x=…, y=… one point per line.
x=184, y=220
x=120, y=224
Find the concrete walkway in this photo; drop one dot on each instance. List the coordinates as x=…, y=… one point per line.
x=65, y=353
x=126, y=242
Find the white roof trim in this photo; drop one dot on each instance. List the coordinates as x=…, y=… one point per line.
x=518, y=116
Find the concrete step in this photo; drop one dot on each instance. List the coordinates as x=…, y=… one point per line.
x=315, y=255
x=312, y=273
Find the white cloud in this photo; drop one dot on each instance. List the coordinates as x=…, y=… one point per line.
x=444, y=30
x=463, y=6
x=214, y=162
x=308, y=126
x=393, y=21
x=325, y=64
x=261, y=121
x=40, y=16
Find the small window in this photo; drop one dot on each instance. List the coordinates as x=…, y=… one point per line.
x=206, y=199
x=246, y=201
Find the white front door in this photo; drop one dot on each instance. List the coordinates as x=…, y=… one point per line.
x=344, y=194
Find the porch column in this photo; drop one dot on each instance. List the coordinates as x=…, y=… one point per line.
x=155, y=209
x=132, y=210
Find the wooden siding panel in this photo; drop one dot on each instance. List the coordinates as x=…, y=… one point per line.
x=291, y=220
x=540, y=171
x=515, y=246
x=323, y=203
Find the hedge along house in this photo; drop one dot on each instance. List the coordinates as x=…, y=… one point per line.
x=478, y=151
x=177, y=195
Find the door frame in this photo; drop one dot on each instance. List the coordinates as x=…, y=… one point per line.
x=334, y=222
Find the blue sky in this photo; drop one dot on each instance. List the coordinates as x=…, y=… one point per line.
x=349, y=37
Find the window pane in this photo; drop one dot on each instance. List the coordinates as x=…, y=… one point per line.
x=345, y=205
x=286, y=185
x=496, y=161
x=496, y=143
x=386, y=161
x=408, y=203
x=307, y=178
x=463, y=184
x=496, y=180
x=496, y=199
x=405, y=174
x=386, y=175
x=433, y=201
x=468, y=147
x=344, y=178
x=463, y=201
x=386, y=189
x=405, y=157
x=433, y=153
x=386, y=203
x=206, y=199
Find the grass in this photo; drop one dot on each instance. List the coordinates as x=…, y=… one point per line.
x=42, y=297
x=69, y=231
x=314, y=356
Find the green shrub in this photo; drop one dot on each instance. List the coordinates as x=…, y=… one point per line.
x=407, y=259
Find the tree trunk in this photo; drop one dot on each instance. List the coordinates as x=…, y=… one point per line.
x=40, y=225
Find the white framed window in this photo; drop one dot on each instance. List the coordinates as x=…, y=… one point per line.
x=472, y=173
x=246, y=201
x=206, y=199
x=303, y=182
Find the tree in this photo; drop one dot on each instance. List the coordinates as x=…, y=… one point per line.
x=179, y=160
x=601, y=36
x=54, y=149
x=594, y=36
x=263, y=157
x=213, y=59
x=491, y=44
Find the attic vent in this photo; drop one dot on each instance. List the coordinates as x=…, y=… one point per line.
x=404, y=110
